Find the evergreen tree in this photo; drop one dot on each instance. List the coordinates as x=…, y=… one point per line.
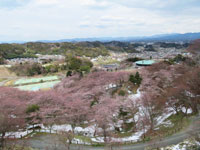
x=132, y=79
x=135, y=79
x=138, y=78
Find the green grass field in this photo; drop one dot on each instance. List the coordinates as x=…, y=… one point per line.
x=35, y=80
x=38, y=86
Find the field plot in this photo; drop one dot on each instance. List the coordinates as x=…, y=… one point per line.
x=5, y=73
x=35, y=80
x=36, y=87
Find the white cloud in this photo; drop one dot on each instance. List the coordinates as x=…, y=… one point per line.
x=46, y=2
x=59, y=19
x=96, y=4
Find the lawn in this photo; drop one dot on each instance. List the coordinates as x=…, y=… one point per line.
x=38, y=86
x=35, y=80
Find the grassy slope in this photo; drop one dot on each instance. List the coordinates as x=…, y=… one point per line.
x=5, y=73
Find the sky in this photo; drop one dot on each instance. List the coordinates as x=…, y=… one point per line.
x=29, y=20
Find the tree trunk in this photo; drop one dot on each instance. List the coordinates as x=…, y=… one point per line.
x=2, y=140
x=105, y=135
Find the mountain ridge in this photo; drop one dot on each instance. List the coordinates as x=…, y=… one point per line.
x=173, y=37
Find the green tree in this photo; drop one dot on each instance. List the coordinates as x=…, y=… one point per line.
x=74, y=63
x=2, y=61
x=138, y=78
x=78, y=65
x=69, y=73
x=85, y=68
x=135, y=79
x=132, y=79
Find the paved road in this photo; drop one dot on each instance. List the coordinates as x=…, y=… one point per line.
x=52, y=142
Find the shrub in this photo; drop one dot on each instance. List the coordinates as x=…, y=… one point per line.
x=179, y=58
x=78, y=65
x=69, y=73
x=122, y=93
x=133, y=59
x=85, y=68
x=74, y=63
x=32, y=108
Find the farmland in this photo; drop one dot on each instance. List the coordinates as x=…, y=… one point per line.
x=35, y=80
x=38, y=86
x=31, y=84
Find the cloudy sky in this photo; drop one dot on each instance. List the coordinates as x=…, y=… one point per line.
x=60, y=19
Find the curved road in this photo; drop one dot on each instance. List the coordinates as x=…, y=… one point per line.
x=52, y=142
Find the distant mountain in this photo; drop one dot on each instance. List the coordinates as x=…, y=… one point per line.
x=174, y=37
x=187, y=37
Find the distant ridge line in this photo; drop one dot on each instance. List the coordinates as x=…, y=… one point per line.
x=174, y=37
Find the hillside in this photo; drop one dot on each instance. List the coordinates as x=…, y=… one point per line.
x=195, y=47
x=9, y=51
x=5, y=73
x=90, y=49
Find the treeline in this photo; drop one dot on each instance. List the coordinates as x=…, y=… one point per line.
x=9, y=51
x=89, y=49
x=28, y=50
x=72, y=65
x=36, y=69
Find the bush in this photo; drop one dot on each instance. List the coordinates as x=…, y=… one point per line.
x=28, y=69
x=78, y=65
x=179, y=58
x=34, y=69
x=74, y=63
x=69, y=73
x=122, y=93
x=85, y=68
x=32, y=108
x=2, y=61
x=133, y=59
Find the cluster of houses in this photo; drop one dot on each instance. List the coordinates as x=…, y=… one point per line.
x=161, y=53
x=41, y=59
x=110, y=67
